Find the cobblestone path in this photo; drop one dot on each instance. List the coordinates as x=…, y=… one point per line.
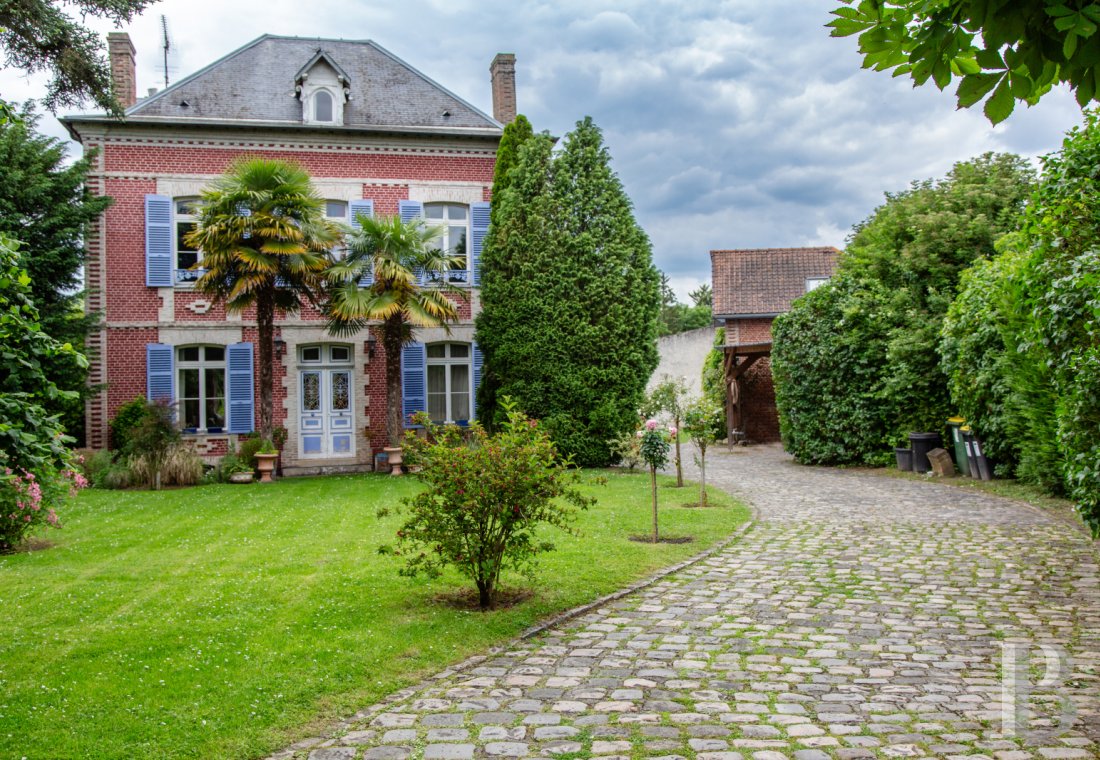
x=859, y=617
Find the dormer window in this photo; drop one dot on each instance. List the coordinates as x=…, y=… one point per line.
x=322, y=106
x=323, y=88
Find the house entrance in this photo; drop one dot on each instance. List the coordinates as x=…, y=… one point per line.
x=327, y=424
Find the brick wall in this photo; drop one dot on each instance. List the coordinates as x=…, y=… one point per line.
x=338, y=162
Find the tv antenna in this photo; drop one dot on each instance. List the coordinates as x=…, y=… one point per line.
x=166, y=45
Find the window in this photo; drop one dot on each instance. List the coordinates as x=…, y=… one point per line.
x=322, y=106
x=449, y=382
x=186, y=219
x=202, y=388
x=454, y=220
x=337, y=211
x=813, y=283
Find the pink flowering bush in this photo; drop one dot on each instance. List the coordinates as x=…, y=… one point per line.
x=486, y=497
x=27, y=503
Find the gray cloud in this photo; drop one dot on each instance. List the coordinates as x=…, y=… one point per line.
x=739, y=124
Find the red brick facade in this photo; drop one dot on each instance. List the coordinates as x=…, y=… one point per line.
x=137, y=159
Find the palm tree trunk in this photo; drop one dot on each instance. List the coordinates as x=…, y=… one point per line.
x=265, y=327
x=391, y=342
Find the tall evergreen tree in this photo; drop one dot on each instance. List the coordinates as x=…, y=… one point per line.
x=570, y=296
x=45, y=203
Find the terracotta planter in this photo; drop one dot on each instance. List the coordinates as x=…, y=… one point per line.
x=394, y=454
x=265, y=463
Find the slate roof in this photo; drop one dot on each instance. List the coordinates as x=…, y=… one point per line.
x=256, y=84
x=764, y=281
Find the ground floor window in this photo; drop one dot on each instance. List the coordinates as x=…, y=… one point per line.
x=201, y=384
x=450, y=390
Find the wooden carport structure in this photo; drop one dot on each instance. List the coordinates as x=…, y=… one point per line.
x=736, y=361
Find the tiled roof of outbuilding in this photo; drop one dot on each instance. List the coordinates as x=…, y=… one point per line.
x=765, y=280
x=256, y=83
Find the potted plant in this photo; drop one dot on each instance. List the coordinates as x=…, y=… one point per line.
x=265, y=460
x=239, y=471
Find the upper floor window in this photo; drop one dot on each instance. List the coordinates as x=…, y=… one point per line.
x=454, y=219
x=813, y=283
x=201, y=386
x=322, y=106
x=337, y=211
x=449, y=382
x=185, y=211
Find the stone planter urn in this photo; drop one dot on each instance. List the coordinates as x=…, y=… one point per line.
x=394, y=454
x=240, y=477
x=265, y=463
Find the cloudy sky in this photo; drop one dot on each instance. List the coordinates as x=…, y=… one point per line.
x=732, y=124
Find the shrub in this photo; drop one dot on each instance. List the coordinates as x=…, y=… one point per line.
x=827, y=361
x=626, y=450
x=714, y=381
x=857, y=367
x=181, y=466
x=247, y=450
x=152, y=441
x=94, y=463
x=1062, y=285
x=36, y=466
x=125, y=422
x=486, y=497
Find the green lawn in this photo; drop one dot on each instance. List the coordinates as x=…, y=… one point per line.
x=228, y=621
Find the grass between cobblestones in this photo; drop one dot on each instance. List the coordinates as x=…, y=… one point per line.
x=229, y=621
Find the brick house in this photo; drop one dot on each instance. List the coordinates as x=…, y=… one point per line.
x=751, y=288
x=378, y=137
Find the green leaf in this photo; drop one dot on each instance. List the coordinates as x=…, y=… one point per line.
x=974, y=87
x=845, y=28
x=1069, y=46
x=966, y=65
x=999, y=106
x=990, y=59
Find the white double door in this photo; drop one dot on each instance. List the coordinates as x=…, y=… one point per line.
x=327, y=424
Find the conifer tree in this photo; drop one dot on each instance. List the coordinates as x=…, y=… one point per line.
x=570, y=295
x=44, y=202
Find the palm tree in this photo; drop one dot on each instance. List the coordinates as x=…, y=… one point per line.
x=264, y=241
x=388, y=254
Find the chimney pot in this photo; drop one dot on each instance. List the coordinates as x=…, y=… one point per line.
x=123, y=69
x=502, y=73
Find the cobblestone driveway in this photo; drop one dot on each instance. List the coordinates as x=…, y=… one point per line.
x=859, y=617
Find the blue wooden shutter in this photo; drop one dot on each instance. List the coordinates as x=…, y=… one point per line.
x=160, y=373
x=409, y=210
x=479, y=228
x=414, y=382
x=239, y=388
x=158, y=241
x=479, y=363
x=355, y=210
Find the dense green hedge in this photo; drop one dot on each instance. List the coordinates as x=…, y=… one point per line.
x=1061, y=282
x=856, y=362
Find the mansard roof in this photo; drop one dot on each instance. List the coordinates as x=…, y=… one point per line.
x=255, y=85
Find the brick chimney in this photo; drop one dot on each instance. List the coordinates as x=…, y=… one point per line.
x=123, y=70
x=502, y=72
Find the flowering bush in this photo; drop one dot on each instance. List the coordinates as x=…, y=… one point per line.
x=25, y=502
x=37, y=469
x=486, y=497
